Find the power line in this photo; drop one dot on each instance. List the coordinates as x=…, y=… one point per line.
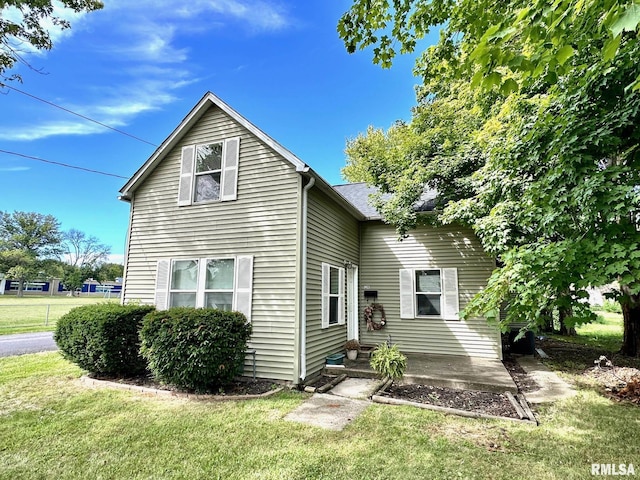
x=66, y=165
x=76, y=114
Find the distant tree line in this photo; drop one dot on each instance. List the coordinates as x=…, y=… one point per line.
x=33, y=246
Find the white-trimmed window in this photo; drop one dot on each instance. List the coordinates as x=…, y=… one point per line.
x=209, y=172
x=429, y=293
x=223, y=283
x=333, y=295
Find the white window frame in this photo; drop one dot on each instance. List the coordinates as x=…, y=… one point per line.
x=327, y=295
x=449, y=294
x=228, y=172
x=173, y=290
x=202, y=281
x=242, y=283
x=416, y=292
x=196, y=174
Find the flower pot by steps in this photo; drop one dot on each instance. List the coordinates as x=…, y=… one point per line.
x=352, y=354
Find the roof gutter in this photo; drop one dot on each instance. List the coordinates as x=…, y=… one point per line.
x=303, y=273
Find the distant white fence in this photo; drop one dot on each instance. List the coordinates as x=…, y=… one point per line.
x=31, y=317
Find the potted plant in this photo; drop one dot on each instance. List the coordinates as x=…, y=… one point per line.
x=352, y=347
x=388, y=362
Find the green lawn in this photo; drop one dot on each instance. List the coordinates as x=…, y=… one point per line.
x=52, y=426
x=605, y=334
x=37, y=313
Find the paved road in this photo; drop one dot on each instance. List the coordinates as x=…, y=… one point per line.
x=26, y=343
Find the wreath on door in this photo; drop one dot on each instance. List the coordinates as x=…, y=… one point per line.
x=369, y=314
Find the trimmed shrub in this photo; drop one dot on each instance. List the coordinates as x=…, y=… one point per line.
x=103, y=338
x=199, y=349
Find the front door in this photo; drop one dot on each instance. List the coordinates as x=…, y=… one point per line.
x=352, y=302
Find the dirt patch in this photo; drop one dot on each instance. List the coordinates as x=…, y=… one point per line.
x=320, y=381
x=238, y=387
x=523, y=381
x=470, y=400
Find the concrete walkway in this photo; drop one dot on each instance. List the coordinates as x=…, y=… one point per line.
x=552, y=386
x=328, y=411
x=452, y=371
x=338, y=408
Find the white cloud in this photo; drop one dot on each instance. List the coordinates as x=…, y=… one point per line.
x=257, y=15
x=116, y=258
x=14, y=169
x=49, y=129
x=142, y=46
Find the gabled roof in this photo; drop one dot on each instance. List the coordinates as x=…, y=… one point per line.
x=358, y=195
x=192, y=117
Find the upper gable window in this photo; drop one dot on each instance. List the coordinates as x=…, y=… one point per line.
x=209, y=172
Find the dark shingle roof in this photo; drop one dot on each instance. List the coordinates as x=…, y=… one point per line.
x=358, y=195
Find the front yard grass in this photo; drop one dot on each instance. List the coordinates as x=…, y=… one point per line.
x=29, y=313
x=52, y=426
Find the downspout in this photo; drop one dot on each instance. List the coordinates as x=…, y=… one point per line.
x=127, y=242
x=303, y=293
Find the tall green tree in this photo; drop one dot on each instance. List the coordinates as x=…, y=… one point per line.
x=36, y=234
x=26, y=238
x=441, y=148
x=17, y=265
x=24, y=26
x=558, y=200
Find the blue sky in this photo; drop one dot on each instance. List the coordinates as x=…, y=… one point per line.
x=141, y=65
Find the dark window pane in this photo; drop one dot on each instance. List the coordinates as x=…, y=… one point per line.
x=428, y=304
x=333, y=310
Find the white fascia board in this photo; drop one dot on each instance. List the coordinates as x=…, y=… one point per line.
x=196, y=112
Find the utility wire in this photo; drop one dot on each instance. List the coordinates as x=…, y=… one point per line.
x=76, y=114
x=62, y=164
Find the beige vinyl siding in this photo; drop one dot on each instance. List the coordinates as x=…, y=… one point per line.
x=382, y=256
x=262, y=222
x=333, y=237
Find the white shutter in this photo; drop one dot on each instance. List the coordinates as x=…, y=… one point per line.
x=341, y=306
x=244, y=286
x=162, y=284
x=325, y=294
x=450, y=303
x=185, y=189
x=407, y=298
x=229, y=179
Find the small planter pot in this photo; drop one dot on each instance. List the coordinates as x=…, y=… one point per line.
x=352, y=354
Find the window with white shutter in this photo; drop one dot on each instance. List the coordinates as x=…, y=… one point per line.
x=333, y=295
x=209, y=172
x=429, y=292
x=222, y=283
